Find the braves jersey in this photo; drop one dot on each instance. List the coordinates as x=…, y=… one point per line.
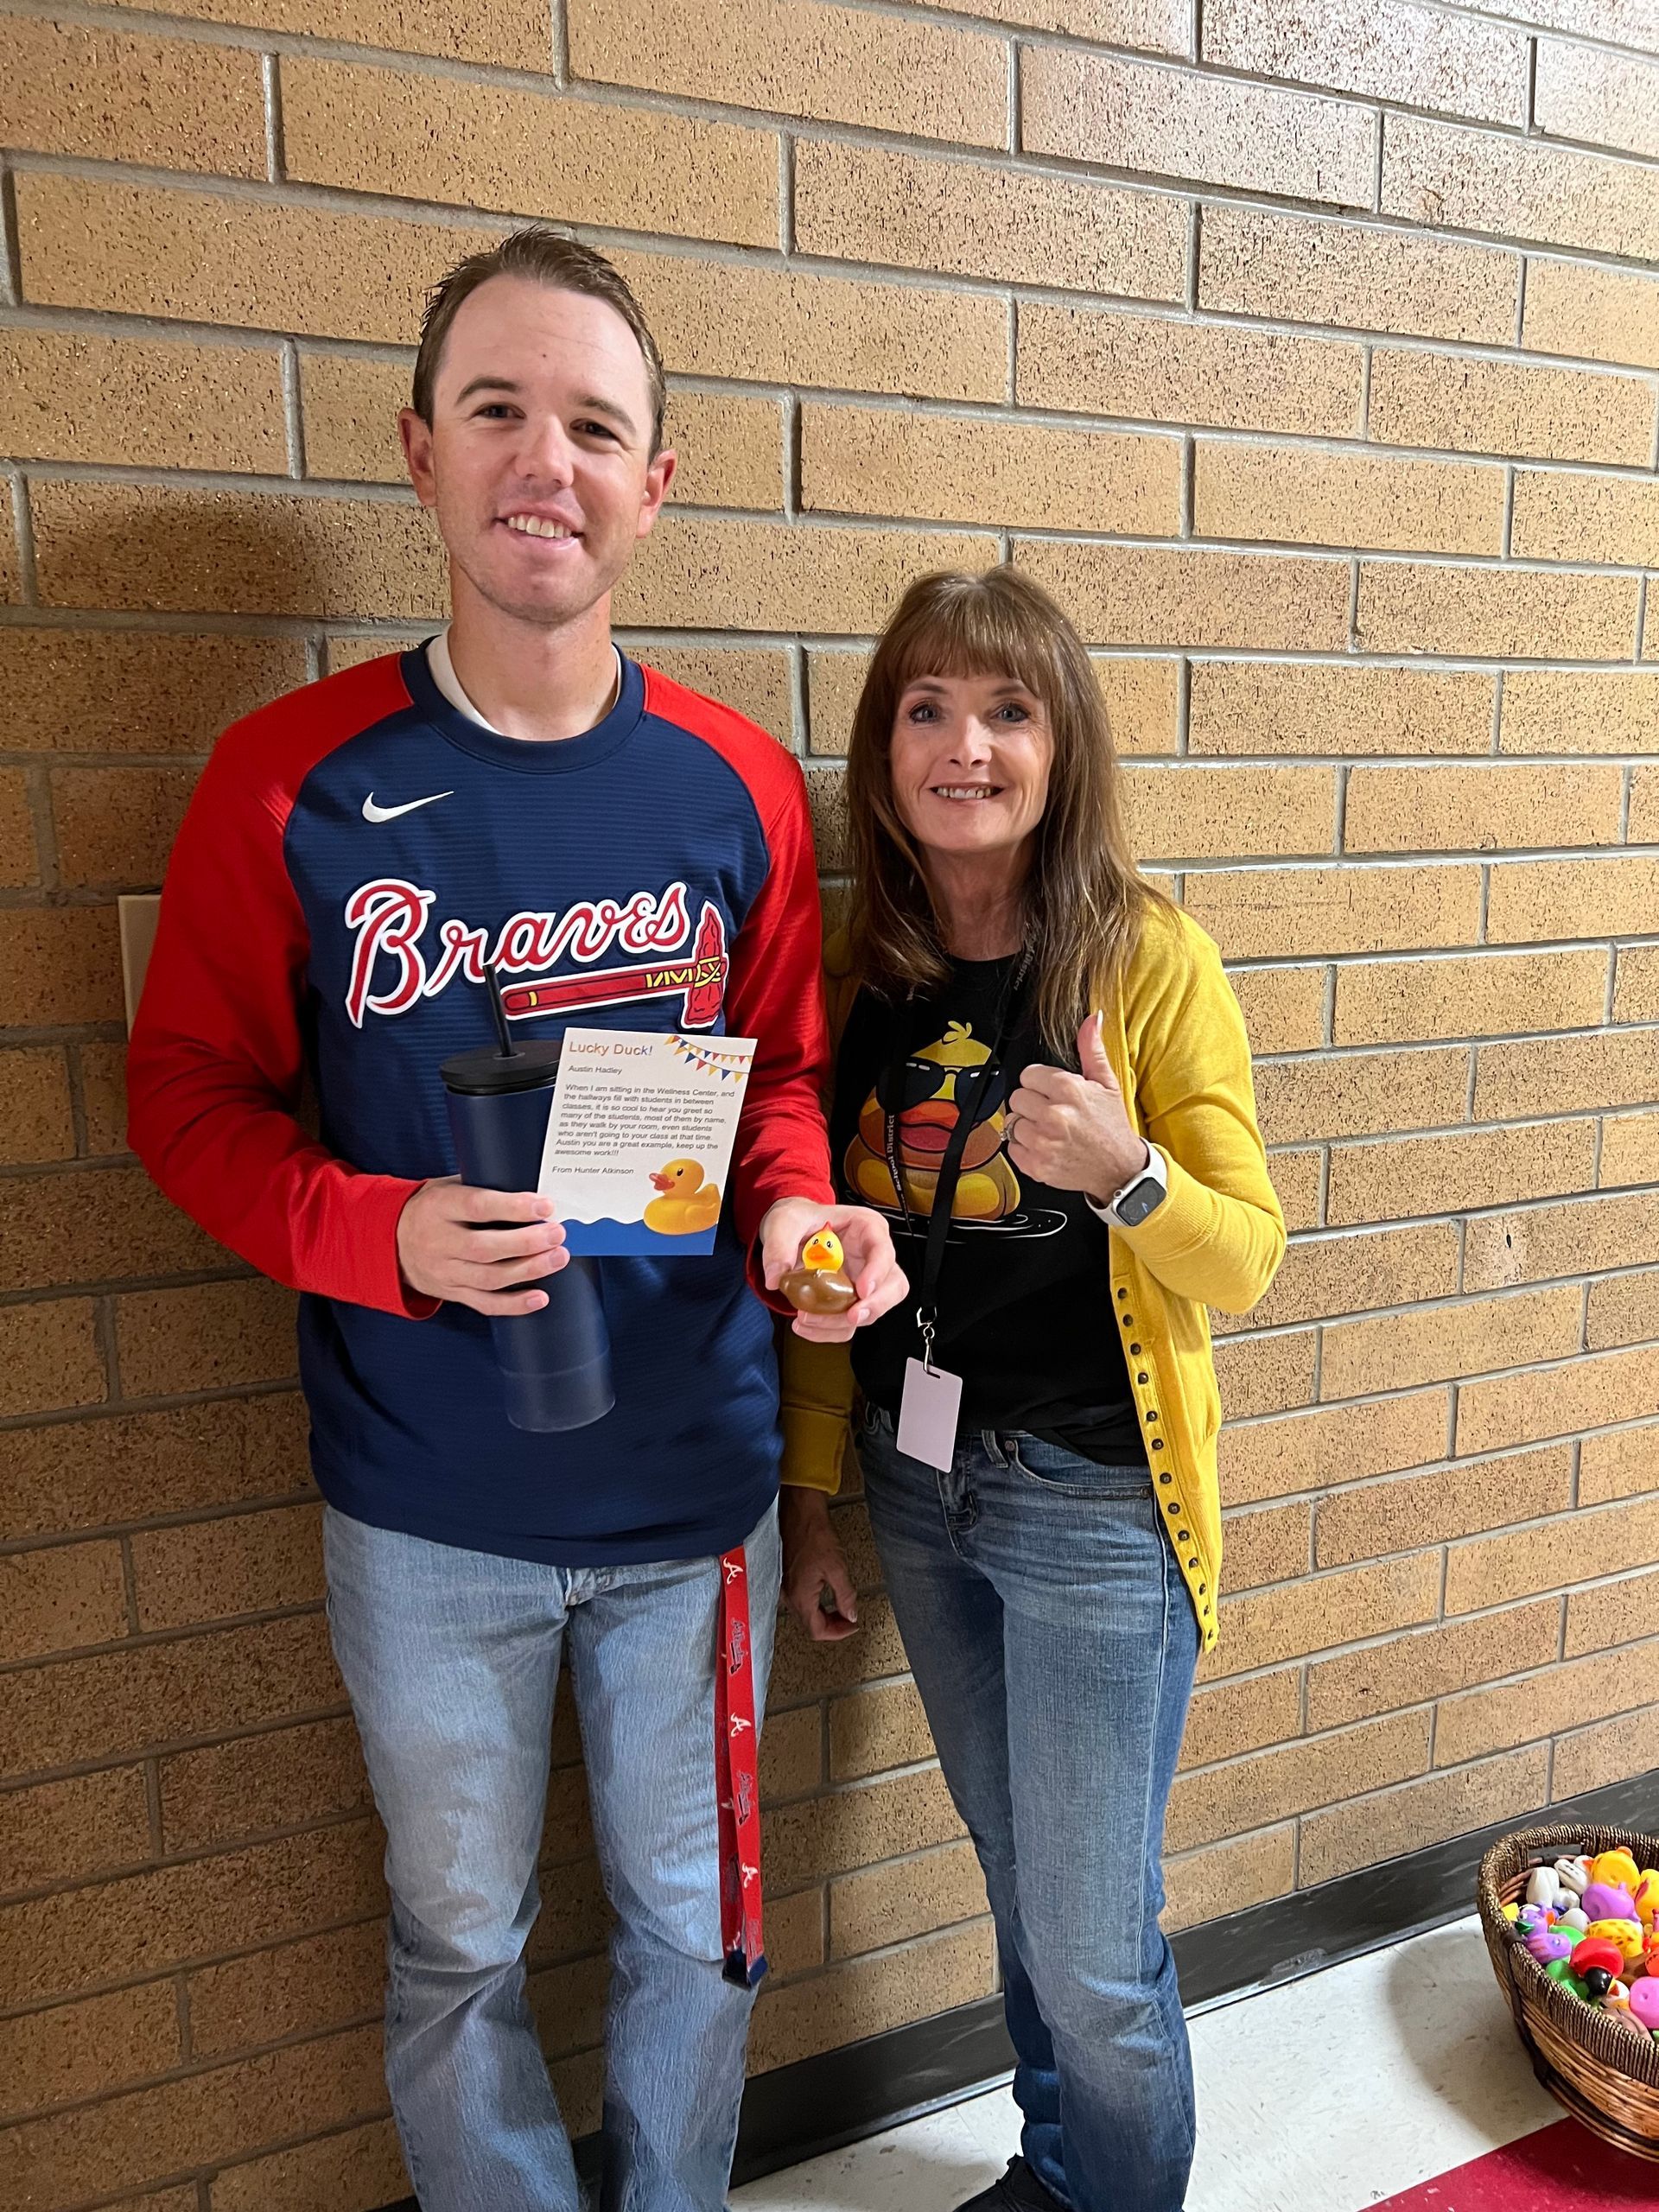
x=354, y=856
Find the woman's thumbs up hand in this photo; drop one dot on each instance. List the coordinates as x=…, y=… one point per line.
x=1071, y=1131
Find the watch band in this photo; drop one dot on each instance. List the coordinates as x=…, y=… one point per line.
x=1148, y=1187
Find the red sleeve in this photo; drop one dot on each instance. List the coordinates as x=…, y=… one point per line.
x=217, y=1059
x=775, y=989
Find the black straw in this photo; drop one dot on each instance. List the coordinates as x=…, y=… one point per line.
x=503, y=1035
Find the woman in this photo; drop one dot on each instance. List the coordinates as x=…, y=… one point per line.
x=1043, y=1077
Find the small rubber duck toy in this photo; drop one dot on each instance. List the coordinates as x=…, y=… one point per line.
x=819, y=1283
x=1615, y=1868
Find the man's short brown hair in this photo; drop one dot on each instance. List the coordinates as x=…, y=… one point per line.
x=545, y=256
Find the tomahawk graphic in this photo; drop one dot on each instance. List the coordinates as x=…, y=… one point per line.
x=699, y=980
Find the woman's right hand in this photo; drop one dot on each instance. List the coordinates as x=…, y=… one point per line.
x=815, y=1582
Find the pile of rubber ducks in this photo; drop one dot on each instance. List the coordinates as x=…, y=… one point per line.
x=1589, y=1923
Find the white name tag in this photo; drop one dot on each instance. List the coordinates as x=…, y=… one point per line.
x=927, y=1415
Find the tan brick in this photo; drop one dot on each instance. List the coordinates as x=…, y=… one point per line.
x=70, y=1831
x=1436, y=174
x=87, y=2049
x=1129, y=115
x=878, y=1728
x=1383, y=49
x=49, y=1358
x=1429, y=1662
x=1270, y=1546
x=856, y=1826
x=1283, y=1009
x=153, y=251
x=1266, y=1375
x=1640, y=962
x=282, y=1778
x=115, y=1705
x=1563, y=515
x=1535, y=900
x=1603, y=314
x=201, y=2121
x=1230, y=1718
x=1269, y=707
x=1272, y=1459
x=1629, y=1149
x=869, y=1996
x=1586, y=711
x=1153, y=595
x=1595, y=1391
x=1595, y=1541
x=1623, y=1310
x=1228, y=1877
x=55, y=1599
x=1019, y=475
x=910, y=211
x=104, y=1095
x=362, y=2165
x=1154, y=26
x=87, y=1473
x=694, y=572
x=69, y=90
x=1622, y=1463
x=1611, y=1613
x=1506, y=407
x=757, y=681
x=117, y=825
x=795, y=1932
x=1297, y=1177
x=247, y=1563
x=1307, y=269
x=1223, y=1801
x=910, y=1898
x=174, y=548
x=1142, y=698
x=1092, y=361
x=1388, y=1825
x=1300, y=1617
x=1212, y=813
x=1292, y=494
x=1394, y=1001
x=1374, y=1519
x=1438, y=1343
x=801, y=57
x=36, y=1123
x=1589, y=1759
x=79, y=1225
x=514, y=32
x=136, y=691
x=1268, y=913
x=1346, y=1274
x=1519, y=1713
x=1563, y=1073
x=1481, y=809
x=1581, y=1237
x=1519, y=614
x=1627, y=22
x=10, y=581
x=68, y=396
x=209, y=1336
x=19, y=861
x=320, y=1982
x=60, y=964
x=421, y=137
x=791, y=1754
x=1585, y=93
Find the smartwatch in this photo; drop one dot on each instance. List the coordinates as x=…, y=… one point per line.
x=1141, y=1195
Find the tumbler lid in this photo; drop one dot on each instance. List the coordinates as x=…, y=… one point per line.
x=487, y=1072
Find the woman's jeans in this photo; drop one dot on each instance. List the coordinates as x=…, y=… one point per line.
x=1053, y=1644
x=451, y=1660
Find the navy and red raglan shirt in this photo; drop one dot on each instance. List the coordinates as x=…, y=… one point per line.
x=354, y=854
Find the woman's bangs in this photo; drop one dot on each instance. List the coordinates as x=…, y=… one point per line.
x=977, y=631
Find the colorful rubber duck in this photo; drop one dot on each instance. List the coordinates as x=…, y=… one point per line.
x=1624, y=1935
x=1605, y=1901
x=687, y=1204
x=1645, y=1895
x=1644, y=2003
x=818, y=1282
x=1618, y=1869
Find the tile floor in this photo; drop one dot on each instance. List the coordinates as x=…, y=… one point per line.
x=1325, y=2094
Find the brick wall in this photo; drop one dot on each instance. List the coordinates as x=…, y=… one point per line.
x=1310, y=353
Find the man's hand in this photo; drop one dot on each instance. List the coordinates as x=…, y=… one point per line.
x=815, y=1581
x=1071, y=1131
x=867, y=1243
x=445, y=1250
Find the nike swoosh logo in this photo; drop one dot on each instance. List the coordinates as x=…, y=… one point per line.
x=374, y=813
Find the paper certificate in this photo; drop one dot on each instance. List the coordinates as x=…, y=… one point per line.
x=640, y=1139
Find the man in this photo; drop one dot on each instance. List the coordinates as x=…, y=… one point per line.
x=516, y=794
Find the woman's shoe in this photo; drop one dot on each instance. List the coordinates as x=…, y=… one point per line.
x=1019, y=2190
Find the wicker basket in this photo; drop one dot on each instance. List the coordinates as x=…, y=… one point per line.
x=1605, y=2077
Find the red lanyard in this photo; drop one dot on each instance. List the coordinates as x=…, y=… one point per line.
x=737, y=1780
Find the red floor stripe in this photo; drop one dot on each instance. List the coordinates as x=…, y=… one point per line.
x=1561, y=2168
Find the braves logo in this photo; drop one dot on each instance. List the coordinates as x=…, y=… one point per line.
x=398, y=960
x=738, y=1648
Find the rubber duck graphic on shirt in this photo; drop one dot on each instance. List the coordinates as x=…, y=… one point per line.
x=987, y=1189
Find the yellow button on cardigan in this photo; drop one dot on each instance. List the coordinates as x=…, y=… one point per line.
x=1176, y=1042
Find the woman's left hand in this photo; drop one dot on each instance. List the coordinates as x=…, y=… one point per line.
x=1071, y=1131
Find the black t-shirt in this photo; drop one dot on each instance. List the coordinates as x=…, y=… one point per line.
x=1025, y=1302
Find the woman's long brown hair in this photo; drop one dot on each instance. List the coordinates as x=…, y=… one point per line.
x=1084, y=899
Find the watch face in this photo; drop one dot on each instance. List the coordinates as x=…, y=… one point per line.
x=1141, y=1199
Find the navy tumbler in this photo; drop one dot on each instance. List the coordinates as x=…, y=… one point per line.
x=556, y=1365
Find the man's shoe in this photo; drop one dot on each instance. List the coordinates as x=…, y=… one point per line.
x=1019, y=2190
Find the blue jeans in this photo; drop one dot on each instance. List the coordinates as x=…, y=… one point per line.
x=452, y=1661
x=1054, y=1644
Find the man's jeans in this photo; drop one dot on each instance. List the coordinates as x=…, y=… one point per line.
x=451, y=1660
x=1053, y=1644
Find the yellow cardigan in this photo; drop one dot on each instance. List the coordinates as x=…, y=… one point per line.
x=1175, y=1038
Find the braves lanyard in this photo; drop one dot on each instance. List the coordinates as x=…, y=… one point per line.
x=737, y=1784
